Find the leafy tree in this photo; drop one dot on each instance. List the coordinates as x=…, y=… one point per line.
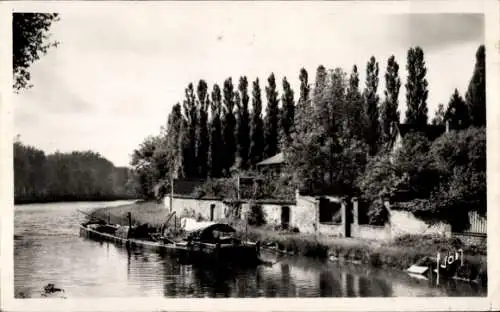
x=216, y=142
x=439, y=115
x=371, y=100
x=288, y=113
x=243, y=125
x=271, y=121
x=30, y=40
x=256, y=126
x=202, y=135
x=457, y=114
x=460, y=157
x=228, y=126
x=416, y=89
x=144, y=166
x=416, y=167
x=476, y=92
x=321, y=158
x=389, y=110
x=190, y=165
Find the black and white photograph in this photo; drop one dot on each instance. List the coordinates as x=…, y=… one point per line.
x=209, y=150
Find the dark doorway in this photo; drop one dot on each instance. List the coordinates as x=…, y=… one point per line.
x=212, y=210
x=285, y=216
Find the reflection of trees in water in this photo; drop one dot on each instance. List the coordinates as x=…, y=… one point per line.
x=374, y=287
x=329, y=284
x=348, y=284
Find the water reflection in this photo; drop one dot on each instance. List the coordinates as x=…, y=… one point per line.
x=49, y=250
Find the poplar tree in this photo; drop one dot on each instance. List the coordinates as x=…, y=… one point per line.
x=288, y=113
x=190, y=165
x=271, y=121
x=202, y=135
x=303, y=104
x=243, y=136
x=305, y=89
x=389, y=114
x=256, y=126
x=476, y=93
x=416, y=90
x=371, y=102
x=228, y=126
x=216, y=147
x=357, y=122
x=175, y=139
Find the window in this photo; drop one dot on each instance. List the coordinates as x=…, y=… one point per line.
x=212, y=211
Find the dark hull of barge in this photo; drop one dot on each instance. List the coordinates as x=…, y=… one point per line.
x=246, y=254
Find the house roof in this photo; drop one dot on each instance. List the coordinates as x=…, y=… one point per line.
x=274, y=160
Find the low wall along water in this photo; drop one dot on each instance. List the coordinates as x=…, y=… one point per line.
x=305, y=212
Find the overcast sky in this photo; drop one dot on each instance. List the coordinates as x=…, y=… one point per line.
x=117, y=72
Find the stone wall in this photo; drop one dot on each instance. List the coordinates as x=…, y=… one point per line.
x=304, y=215
x=186, y=206
x=371, y=232
x=332, y=230
x=404, y=222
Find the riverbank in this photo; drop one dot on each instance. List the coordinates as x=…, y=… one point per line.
x=401, y=253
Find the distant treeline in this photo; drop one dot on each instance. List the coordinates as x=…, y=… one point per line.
x=76, y=176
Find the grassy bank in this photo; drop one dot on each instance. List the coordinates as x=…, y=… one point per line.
x=400, y=253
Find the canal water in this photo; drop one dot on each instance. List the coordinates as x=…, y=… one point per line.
x=48, y=249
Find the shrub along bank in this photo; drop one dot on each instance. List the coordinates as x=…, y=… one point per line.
x=401, y=253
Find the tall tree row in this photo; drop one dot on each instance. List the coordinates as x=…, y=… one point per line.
x=333, y=122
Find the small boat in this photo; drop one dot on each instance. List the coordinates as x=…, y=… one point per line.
x=206, y=242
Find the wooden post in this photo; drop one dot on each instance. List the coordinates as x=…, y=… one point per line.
x=171, y=192
x=438, y=267
x=317, y=217
x=129, y=224
x=238, y=187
